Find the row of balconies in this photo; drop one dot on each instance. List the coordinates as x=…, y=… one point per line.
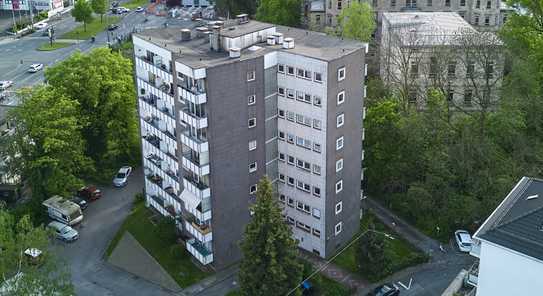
x=158, y=69
x=155, y=142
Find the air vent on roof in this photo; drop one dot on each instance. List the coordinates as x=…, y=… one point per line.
x=235, y=52
x=242, y=18
x=288, y=43
x=532, y=197
x=278, y=38
x=270, y=40
x=201, y=32
x=185, y=34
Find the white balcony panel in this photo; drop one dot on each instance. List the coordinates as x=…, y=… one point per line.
x=149, y=148
x=203, y=237
x=147, y=66
x=200, y=193
x=196, y=122
x=193, y=98
x=199, y=170
x=194, y=145
x=152, y=89
x=203, y=258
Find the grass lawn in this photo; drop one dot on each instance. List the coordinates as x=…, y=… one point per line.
x=56, y=45
x=135, y=3
x=93, y=28
x=163, y=247
x=401, y=253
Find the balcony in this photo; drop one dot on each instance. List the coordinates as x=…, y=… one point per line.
x=153, y=140
x=193, y=164
x=194, y=142
x=155, y=179
x=192, y=95
x=156, y=68
x=199, y=189
x=150, y=86
x=200, y=232
x=149, y=100
x=168, y=111
x=199, y=251
x=154, y=122
x=193, y=120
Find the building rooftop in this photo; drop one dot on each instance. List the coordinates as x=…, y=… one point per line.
x=432, y=28
x=197, y=53
x=517, y=223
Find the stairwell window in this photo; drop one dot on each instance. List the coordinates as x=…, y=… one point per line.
x=338, y=228
x=341, y=74
x=251, y=100
x=252, y=145
x=252, y=122
x=251, y=76
x=252, y=167
x=339, y=165
x=339, y=143
x=340, y=98
x=281, y=68
x=339, y=207
x=318, y=77
x=252, y=189
x=339, y=186
x=340, y=120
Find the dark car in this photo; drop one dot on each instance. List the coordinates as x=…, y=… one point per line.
x=89, y=193
x=113, y=27
x=114, y=4
x=80, y=202
x=385, y=290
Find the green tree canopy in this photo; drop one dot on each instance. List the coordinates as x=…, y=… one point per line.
x=280, y=12
x=357, y=21
x=21, y=276
x=234, y=7
x=270, y=265
x=101, y=83
x=99, y=7
x=82, y=12
x=370, y=253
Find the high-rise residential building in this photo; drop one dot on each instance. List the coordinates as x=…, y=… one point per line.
x=225, y=104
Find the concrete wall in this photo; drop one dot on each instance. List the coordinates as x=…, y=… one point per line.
x=504, y=272
x=228, y=113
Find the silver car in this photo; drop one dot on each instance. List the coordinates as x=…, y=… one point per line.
x=121, y=178
x=5, y=84
x=64, y=232
x=35, y=68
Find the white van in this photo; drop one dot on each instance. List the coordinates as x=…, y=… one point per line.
x=63, y=210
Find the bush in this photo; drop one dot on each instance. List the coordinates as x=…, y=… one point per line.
x=139, y=198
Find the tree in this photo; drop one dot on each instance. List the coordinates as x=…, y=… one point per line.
x=99, y=7
x=357, y=21
x=47, y=148
x=280, y=12
x=106, y=107
x=230, y=8
x=19, y=275
x=82, y=12
x=370, y=253
x=269, y=265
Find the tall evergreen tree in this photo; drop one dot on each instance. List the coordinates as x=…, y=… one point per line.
x=269, y=265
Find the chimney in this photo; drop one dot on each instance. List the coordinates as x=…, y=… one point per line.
x=215, y=38
x=288, y=43
x=242, y=18
x=185, y=34
x=270, y=40
x=278, y=38
x=235, y=52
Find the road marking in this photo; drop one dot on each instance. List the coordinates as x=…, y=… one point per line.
x=406, y=287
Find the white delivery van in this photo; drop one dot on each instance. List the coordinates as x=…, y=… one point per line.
x=63, y=210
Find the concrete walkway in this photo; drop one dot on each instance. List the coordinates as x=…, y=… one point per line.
x=130, y=256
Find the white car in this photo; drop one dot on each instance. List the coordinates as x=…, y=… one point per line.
x=139, y=9
x=463, y=240
x=5, y=84
x=121, y=178
x=35, y=68
x=121, y=10
x=63, y=231
x=40, y=26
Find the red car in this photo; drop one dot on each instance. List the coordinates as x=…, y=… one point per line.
x=89, y=193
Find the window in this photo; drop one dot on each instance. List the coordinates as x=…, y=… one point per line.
x=318, y=77
x=317, y=101
x=290, y=138
x=281, y=91
x=340, y=120
x=290, y=93
x=290, y=159
x=341, y=74
x=251, y=100
x=316, y=191
x=338, y=228
x=468, y=97
x=317, y=124
x=411, y=3
x=281, y=113
x=300, y=96
x=433, y=67
x=339, y=207
x=392, y=3
x=414, y=71
x=290, y=181
x=300, y=72
x=299, y=206
x=300, y=118
x=316, y=233
x=316, y=213
x=339, y=165
x=489, y=70
x=290, y=115
x=290, y=202
x=316, y=169
x=252, y=145
x=252, y=122
x=339, y=4
x=339, y=186
x=428, y=2
x=282, y=135
x=307, y=74
x=251, y=75
x=290, y=70
x=317, y=147
x=307, y=98
x=252, y=167
x=252, y=189
x=282, y=178
x=462, y=2
x=340, y=98
x=300, y=163
x=307, y=187
x=451, y=69
x=476, y=21
x=339, y=143
x=300, y=141
x=450, y=95
x=290, y=220
x=282, y=198
x=488, y=4
x=487, y=20
x=448, y=3
x=470, y=68
x=282, y=156
x=281, y=68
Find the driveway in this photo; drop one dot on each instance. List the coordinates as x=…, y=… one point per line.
x=91, y=275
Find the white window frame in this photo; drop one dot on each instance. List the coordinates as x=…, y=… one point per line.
x=340, y=120
x=339, y=165
x=316, y=169
x=253, y=167
x=251, y=100
x=252, y=119
x=338, y=228
x=340, y=98
x=279, y=68
x=255, y=187
x=341, y=73
x=252, y=145
x=339, y=143
x=315, y=77
x=317, y=101
x=316, y=213
x=339, y=186
x=251, y=76
x=339, y=207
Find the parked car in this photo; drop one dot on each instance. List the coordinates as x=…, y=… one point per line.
x=121, y=10
x=89, y=193
x=35, y=68
x=121, y=178
x=139, y=9
x=463, y=240
x=5, y=84
x=113, y=27
x=40, y=26
x=82, y=203
x=64, y=232
x=385, y=290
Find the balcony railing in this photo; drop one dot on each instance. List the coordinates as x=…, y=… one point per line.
x=153, y=140
x=199, y=251
x=155, y=179
x=149, y=61
x=198, y=184
x=167, y=111
x=149, y=100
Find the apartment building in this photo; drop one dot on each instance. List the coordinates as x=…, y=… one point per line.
x=225, y=104
x=420, y=51
x=509, y=244
x=482, y=14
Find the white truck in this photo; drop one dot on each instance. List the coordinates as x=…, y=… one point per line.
x=63, y=210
